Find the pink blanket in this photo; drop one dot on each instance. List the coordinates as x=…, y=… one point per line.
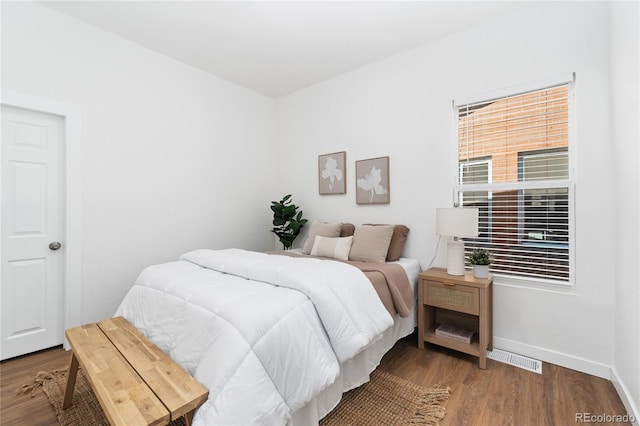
x=389, y=280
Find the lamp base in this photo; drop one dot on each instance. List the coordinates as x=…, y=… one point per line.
x=455, y=258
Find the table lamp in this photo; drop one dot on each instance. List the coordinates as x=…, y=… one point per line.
x=456, y=222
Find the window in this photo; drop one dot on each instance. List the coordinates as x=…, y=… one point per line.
x=514, y=164
x=476, y=171
x=545, y=211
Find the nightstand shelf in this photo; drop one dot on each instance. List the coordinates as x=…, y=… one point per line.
x=461, y=301
x=472, y=348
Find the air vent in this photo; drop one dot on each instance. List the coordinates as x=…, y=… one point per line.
x=516, y=360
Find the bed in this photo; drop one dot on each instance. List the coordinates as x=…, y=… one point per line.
x=275, y=337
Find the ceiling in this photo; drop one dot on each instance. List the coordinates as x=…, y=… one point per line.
x=278, y=47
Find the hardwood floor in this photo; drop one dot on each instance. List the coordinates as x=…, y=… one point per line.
x=503, y=394
x=15, y=372
x=499, y=395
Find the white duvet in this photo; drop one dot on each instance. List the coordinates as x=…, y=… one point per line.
x=263, y=333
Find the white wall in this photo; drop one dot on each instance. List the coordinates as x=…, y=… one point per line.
x=626, y=142
x=401, y=107
x=172, y=158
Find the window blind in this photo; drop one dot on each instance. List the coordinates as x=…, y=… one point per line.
x=514, y=165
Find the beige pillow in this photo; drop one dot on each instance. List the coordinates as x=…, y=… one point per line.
x=371, y=243
x=337, y=248
x=331, y=230
x=398, y=240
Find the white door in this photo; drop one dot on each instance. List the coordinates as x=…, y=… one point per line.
x=32, y=228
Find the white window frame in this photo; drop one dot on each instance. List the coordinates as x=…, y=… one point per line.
x=569, y=183
x=487, y=160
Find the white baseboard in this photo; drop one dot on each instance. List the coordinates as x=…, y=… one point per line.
x=558, y=358
x=623, y=392
x=574, y=363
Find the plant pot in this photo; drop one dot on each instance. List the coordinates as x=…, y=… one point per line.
x=481, y=271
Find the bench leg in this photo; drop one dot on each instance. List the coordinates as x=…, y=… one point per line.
x=71, y=381
x=188, y=418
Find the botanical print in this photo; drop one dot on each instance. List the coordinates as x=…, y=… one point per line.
x=331, y=173
x=372, y=181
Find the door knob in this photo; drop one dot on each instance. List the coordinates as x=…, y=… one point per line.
x=54, y=245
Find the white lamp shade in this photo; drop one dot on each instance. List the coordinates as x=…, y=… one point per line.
x=457, y=222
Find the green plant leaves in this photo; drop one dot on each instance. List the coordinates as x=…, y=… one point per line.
x=480, y=257
x=287, y=220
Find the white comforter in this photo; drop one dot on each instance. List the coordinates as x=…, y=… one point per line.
x=263, y=333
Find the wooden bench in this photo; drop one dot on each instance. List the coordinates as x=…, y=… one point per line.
x=134, y=381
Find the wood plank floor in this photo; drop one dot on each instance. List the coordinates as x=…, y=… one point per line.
x=15, y=372
x=499, y=395
x=503, y=394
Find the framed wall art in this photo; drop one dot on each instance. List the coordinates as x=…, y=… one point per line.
x=332, y=174
x=372, y=181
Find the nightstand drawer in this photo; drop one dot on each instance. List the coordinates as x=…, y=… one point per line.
x=456, y=297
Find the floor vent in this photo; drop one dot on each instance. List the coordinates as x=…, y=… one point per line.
x=516, y=360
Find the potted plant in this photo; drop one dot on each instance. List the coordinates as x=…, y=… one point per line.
x=287, y=221
x=480, y=259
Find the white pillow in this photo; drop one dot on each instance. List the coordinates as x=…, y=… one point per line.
x=322, y=229
x=371, y=243
x=337, y=248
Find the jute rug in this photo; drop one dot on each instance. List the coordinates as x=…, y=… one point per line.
x=85, y=409
x=386, y=400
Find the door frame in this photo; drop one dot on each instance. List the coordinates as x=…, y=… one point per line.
x=72, y=233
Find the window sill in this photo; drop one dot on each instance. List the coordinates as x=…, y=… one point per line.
x=533, y=283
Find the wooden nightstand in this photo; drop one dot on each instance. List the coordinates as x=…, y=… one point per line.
x=461, y=301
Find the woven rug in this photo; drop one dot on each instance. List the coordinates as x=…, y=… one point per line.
x=386, y=400
x=85, y=409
